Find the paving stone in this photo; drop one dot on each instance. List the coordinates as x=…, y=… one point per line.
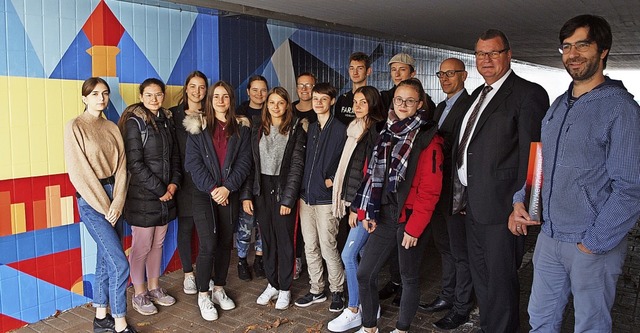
x=184, y=316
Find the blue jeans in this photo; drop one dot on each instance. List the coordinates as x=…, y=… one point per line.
x=560, y=268
x=112, y=268
x=246, y=224
x=355, y=242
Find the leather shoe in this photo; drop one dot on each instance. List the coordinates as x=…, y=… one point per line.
x=451, y=321
x=388, y=290
x=437, y=305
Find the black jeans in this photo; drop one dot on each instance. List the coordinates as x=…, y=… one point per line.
x=277, y=235
x=387, y=237
x=215, y=225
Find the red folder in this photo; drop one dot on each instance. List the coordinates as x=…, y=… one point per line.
x=534, y=181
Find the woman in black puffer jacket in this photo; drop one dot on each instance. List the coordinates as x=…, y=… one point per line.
x=153, y=163
x=278, y=146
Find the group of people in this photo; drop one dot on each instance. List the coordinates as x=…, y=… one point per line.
x=363, y=180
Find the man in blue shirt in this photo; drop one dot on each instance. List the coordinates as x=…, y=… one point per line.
x=448, y=230
x=590, y=190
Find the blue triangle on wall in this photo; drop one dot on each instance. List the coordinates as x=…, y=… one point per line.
x=75, y=64
x=198, y=54
x=132, y=65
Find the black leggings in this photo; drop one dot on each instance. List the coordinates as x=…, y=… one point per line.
x=277, y=235
x=185, y=235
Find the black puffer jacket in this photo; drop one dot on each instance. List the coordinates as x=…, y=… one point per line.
x=151, y=169
x=355, y=169
x=291, y=169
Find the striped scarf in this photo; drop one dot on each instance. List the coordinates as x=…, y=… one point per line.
x=402, y=132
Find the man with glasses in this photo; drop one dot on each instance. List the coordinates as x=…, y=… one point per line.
x=303, y=107
x=590, y=189
x=448, y=231
x=490, y=159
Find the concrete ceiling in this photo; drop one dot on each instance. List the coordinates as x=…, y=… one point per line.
x=531, y=25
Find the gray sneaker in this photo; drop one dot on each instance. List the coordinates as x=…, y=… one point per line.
x=160, y=297
x=143, y=305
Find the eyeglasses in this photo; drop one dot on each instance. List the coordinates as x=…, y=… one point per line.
x=492, y=54
x=150, y=96
x=305, y=85
x=410, y=102
x=449, y=73
x=581, y=46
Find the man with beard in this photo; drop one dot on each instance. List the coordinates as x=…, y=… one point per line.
x=591, y=186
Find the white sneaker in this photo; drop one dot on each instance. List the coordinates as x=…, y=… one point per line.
x=207, y=310
x=211, y=285
x=267, y=295
x=189, y=285
x=220, y=297
x=346, y=321
x=284, y=299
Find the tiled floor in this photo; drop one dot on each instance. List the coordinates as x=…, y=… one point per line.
x=184, y=316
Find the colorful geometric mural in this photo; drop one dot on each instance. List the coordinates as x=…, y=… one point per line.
x=47, y=49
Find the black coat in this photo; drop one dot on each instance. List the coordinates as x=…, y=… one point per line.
x=291, y=168
x=187, y=188
x=498, y=149
x=446, y=131
x=151, y=169
x=355, y=169
x=201, y=161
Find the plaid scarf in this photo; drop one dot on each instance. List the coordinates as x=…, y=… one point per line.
x=402, y=132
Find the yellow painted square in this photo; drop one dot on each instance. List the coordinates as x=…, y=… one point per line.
x=18, y=218
x=66, y=208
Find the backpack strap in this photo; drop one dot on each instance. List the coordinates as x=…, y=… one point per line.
x=142, y=126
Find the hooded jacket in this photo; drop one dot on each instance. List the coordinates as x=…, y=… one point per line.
x=152, y=167
x=591, y=167
x=291, y=168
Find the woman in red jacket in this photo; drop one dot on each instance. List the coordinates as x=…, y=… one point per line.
x=396, y=200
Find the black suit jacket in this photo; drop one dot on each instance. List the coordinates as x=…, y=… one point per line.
x=446, y=131
x=498, y=150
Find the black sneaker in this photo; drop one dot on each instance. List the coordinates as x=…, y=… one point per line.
x=388, y=290
x=243, y=270
x=337, y=302
x=128, y=329
x=258, y=268
x=309, y=299
x=104, y=325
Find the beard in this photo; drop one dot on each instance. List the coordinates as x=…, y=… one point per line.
x=590, y=67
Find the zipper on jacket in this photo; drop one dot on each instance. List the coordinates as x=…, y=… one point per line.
x=315, y=154
x=555, y=159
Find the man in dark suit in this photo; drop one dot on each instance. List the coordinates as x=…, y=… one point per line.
x=490, y=155
x=449, y=231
